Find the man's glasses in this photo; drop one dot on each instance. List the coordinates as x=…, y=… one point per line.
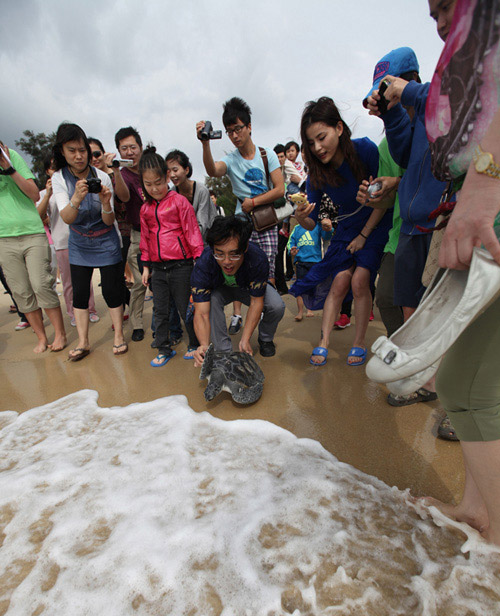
x=96, y=153
x=230, y=257
x=126, y=148
x=236, y=130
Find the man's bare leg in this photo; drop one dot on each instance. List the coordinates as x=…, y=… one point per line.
x=56, y=318
x=35, y=319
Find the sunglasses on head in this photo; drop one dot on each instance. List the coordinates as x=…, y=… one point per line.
x=96, y=153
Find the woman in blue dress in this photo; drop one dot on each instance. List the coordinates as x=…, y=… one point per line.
x=337, y=166
x=84, y=197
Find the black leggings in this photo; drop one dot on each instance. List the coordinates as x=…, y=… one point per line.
x=111, y=283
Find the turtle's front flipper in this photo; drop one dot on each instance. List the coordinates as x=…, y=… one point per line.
x=215, y=383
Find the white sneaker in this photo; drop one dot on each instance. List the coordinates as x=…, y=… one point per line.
x=94, y=318
x=21, y=325
x=235, y=325
x=452, y=301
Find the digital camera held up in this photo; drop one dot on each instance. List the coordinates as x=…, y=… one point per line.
x=94, y=185
x=207, y=132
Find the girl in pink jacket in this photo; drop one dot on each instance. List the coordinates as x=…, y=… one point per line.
x=170, y=242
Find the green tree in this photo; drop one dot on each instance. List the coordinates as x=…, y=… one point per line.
x=37, y=146
x=223, y=191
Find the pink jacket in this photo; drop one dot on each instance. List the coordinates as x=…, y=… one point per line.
x=169, y=230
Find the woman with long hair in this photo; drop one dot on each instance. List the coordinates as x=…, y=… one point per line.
x=170, y=241
x=197, y=194
x=84, y=197
x=337, y=165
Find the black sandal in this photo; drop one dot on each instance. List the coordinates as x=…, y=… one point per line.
x=421, y=395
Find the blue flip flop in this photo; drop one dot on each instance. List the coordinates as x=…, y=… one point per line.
x=163, y=359
x=319, y=352
x=190, y=349
x=357, y=352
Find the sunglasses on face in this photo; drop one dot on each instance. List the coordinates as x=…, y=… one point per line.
x=96, y=153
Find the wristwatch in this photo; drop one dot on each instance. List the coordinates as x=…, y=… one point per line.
x=485, y=163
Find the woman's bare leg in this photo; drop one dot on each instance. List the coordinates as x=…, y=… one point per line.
x=362, y=306
x=333, y=302
x=82, y=327
x=117, y=320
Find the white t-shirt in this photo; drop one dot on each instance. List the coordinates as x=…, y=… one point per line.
x=59, y=230
x=248, y=177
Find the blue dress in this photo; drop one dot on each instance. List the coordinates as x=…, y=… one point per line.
x=96, y=251
x=315, y=287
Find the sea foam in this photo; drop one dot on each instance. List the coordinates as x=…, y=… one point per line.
x=154, y=509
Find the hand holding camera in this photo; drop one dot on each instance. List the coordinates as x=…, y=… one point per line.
x=81, y=191
x=204, y=131
x=94, y=185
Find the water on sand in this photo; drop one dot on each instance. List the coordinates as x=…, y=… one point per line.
x=154, y=509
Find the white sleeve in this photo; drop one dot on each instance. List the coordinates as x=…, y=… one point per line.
x=60, y=190
x=42, y=195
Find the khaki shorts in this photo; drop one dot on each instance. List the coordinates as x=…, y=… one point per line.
x=468, y=380
x=26, y=263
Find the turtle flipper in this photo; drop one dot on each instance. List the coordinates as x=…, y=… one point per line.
x=215, y=383
x=247, y=395
x=206, y=367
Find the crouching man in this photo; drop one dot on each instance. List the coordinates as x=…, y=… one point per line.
x=230, y=269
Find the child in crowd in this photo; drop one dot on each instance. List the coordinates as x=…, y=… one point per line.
x=292, y=152
x=305, y=248
x=170, y=241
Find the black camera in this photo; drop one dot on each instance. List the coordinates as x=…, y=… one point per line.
x=383, y=102
x=207, y=132
x=94, y=185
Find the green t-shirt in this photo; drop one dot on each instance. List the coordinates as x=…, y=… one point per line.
x=18, y=213
x=230, y=281
x=388, y=167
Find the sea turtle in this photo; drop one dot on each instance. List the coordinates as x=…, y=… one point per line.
x=235, y=372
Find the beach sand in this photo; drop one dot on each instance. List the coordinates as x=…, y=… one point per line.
x=334, y=404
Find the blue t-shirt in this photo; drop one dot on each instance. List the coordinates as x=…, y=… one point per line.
x=308, y=243
x=344, y=196
x=252, y=275
x=248, y=177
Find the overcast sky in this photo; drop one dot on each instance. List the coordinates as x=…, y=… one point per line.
x=161, y=65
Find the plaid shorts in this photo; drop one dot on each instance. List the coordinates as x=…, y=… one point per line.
x=268, y=242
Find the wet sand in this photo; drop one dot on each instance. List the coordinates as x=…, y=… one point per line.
x=334, y=404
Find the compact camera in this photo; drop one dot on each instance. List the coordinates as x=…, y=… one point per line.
x=383, y=102
x=94, y=185
x=207, y=132
x=373, y=188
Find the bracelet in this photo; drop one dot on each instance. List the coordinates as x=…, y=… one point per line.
x=103, y=211
x=365, y=236
x=73, y=206
x=9, y=171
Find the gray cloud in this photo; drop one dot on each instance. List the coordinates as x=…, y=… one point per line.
x=163, y=65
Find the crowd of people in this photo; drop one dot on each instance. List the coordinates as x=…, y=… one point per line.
x=363, y=231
